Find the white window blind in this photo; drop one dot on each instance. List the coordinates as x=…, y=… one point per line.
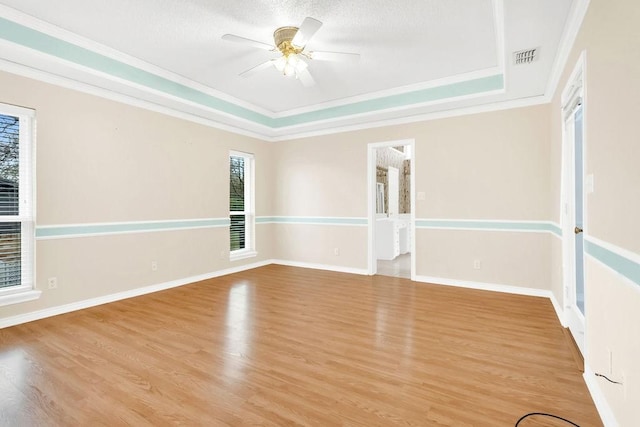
x=16, y=200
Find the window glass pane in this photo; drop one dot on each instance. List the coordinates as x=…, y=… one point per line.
x=236, y=199
x=10, y=251
x=9, y=164
x=238, y=232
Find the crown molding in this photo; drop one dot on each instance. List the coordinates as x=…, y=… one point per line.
x=571, y=30
x=435, y=115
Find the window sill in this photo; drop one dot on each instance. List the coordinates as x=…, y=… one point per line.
x=242, y=254
x=19, y=297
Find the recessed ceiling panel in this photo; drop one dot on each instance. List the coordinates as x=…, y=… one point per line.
x=417, y=57
x=404, y=42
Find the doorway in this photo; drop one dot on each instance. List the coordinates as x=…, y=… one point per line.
x=391, y=207
x=573, y=204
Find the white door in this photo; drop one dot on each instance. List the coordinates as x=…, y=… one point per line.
x=573, y=224
x=393, y=177
x=578, y=294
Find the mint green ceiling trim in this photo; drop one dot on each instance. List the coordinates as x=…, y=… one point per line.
x=623, y=265
x=62, y=231
x=50, y=45
x=314, y=220
x=453, y=90
x=536, y=226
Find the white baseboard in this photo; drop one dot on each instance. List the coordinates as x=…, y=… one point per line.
x=509, y=289
x=336, y=268
x=558, y=308
x=92, y=302
x=605, y=411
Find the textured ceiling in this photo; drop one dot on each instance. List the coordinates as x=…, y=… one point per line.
x=404, y=44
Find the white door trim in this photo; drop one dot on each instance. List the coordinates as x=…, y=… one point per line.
x=575, y=87
x=371, y=201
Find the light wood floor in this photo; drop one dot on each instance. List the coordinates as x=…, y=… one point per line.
x=398, y=267
x=288, y=346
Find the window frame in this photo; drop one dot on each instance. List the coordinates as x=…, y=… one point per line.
x=26, y=291
x=249, y=249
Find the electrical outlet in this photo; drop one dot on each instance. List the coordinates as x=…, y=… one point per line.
x=336, y=251
x=52, y=283
x=154, y=265
x=477, y=264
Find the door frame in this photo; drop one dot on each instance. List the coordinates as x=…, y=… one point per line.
x=571, y=316
x=371, y=201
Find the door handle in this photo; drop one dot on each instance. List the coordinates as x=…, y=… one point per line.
x=577, y=230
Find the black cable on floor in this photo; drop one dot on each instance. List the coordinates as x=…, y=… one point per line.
x=608, y=379
x=542, y=414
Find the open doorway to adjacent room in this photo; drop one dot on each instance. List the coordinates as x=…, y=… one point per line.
x=391, y=208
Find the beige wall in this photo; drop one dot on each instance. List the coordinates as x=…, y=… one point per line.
x=508, y=258
x=315, y=245
x=484, y=166
x=611, y=39
x=102, y=161
x=491, y=166
x=613, y=323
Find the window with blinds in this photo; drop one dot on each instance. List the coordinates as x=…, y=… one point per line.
x=16, y=205
x=241, y=215
x=236, y=204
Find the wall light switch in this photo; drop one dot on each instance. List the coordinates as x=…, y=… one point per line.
x=588, y=183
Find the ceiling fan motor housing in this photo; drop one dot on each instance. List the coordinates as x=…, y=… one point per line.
x=282, y=38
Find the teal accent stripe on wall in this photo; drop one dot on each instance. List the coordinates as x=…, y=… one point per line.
x=61, y=231
x=453, y=90
x=540, y=226
x=50, y=45
x=311, y=220
x=555, y=229
x=628, y=268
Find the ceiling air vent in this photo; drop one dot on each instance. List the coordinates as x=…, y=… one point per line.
x=525, y=56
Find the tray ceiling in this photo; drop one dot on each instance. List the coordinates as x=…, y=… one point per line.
x=417, y=56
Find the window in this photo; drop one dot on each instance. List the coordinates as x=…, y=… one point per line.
x=16, y=206
x=241, y=206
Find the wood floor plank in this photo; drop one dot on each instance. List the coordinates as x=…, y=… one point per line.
x=289, y=346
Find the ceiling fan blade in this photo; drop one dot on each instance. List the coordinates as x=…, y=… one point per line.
x=306, y=31
x=254, y=70
x=335, y=56
x=246, y=41
x=306, y=78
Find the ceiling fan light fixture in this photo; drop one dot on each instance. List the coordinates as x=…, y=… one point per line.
x=280, y=63
x=301, y=65
x=290, y=64
x=293, y=60
x=289, y=70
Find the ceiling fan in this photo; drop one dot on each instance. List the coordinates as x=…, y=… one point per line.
x=291, y=42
